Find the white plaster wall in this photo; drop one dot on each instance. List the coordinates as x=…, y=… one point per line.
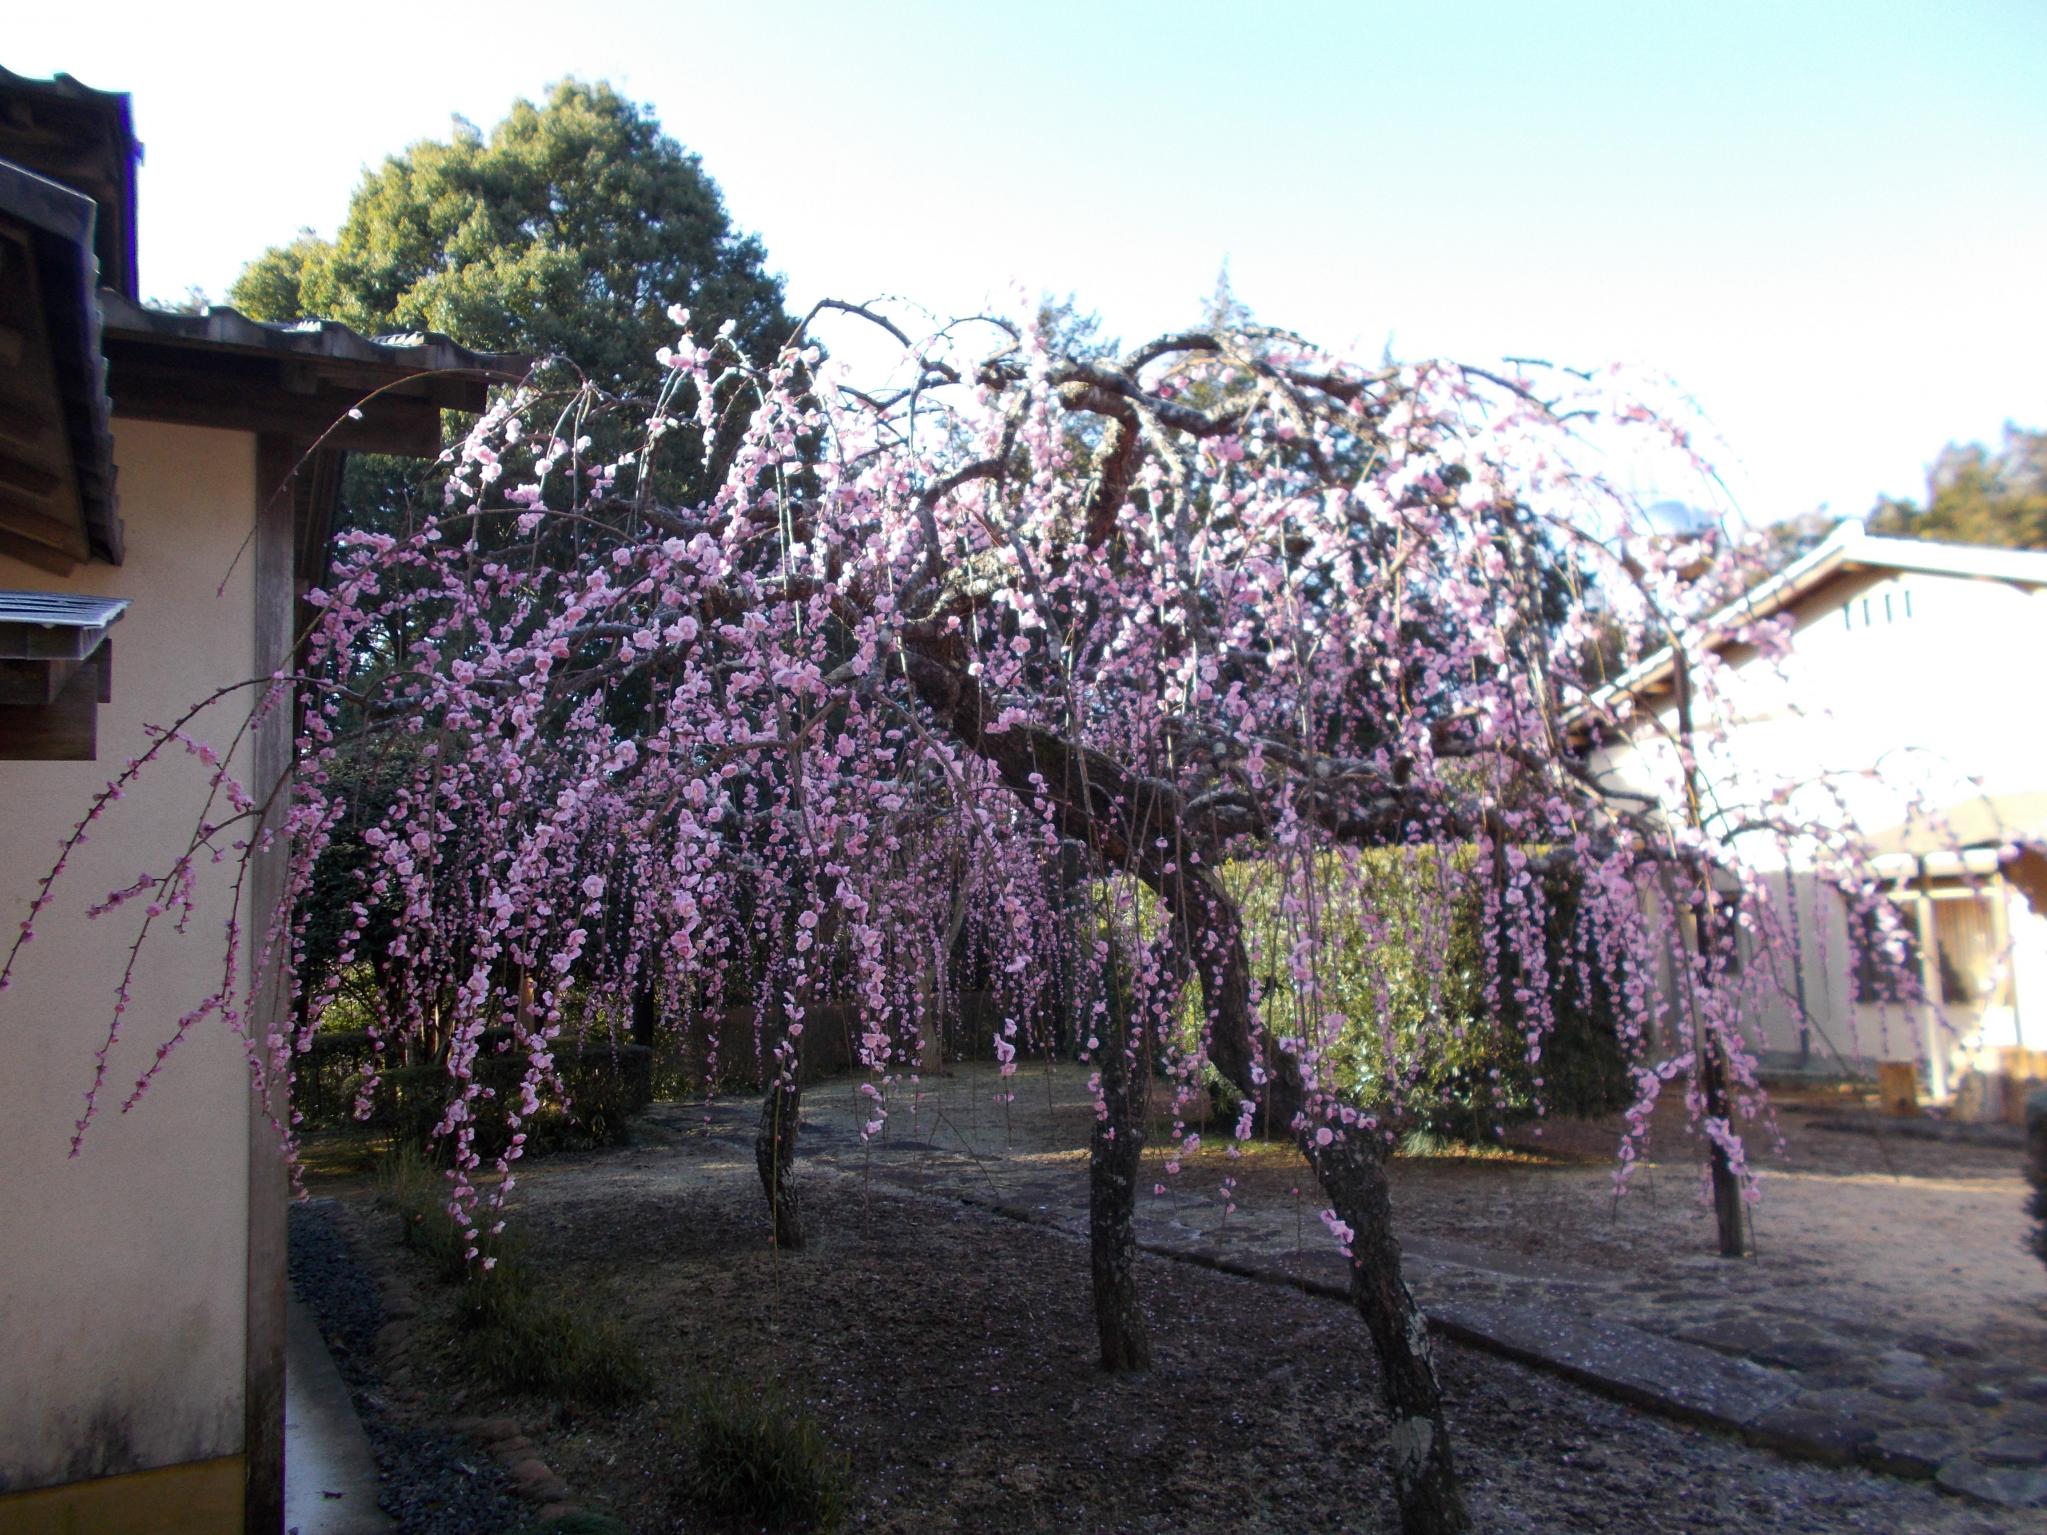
x=122, y=1272
x=1857, y=717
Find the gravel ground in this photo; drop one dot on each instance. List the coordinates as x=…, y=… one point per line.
x=434, y=1483
x=949, y=1353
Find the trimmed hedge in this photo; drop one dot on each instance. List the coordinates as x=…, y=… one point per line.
x=1428, y=969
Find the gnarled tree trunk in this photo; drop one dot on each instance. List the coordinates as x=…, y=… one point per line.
x=1113, y=1154
x=1123, y=820
x=1351, y=1170
x=1352, y=1173
x=1138, y=1009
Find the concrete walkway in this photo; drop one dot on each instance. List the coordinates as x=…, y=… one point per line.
x=1972, y=1419
x=330, y=1475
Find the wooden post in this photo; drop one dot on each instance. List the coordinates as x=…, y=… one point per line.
x=2007, y=955
x=1929, y=987
x=277, y=500
x=1897, y=1084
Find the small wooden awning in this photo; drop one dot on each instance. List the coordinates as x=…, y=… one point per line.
x=56, y=669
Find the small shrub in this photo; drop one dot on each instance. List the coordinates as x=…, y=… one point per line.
x=1225, y=1102
x=1424, y=1046
x=415, y=1190
x=513, y=1333
x=607, y=1085
x=753, y=1456
x=1425, y=1142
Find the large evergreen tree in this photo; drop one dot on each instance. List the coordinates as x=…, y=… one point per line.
x=569, y=229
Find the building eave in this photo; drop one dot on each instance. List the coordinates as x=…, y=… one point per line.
x=63, y=129
x=313, y=382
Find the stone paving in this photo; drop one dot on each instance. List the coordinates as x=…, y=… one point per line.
x=1735, y=1346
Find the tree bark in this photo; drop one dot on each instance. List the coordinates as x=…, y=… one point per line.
x=1352, y=1173
x=774, y=1142
x=1727, y=1203
x=774, y=1155
x=1715, y=937
x=1729, y=1212
x=1114, y=1152
x=1351, y=1170
x=646, y=1014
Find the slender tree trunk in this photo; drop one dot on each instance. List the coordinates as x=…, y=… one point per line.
x=1727, y=1204
x=1113, y=1155
x=1728, y=1210
x=646, y=1015
x=774, y=1155
x=1713, y=935
x=774, y=1142
x=1352, y=1173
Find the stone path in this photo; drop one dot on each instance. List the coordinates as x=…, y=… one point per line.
x=1747, y=1352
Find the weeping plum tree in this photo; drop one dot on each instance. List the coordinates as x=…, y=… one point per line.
x=1225, y=597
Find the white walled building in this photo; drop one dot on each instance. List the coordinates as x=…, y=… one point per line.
x=1907, y=705
x=142, y=1281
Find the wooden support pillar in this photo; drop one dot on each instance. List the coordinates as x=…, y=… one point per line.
x=1929, y=987
x=269, y=1188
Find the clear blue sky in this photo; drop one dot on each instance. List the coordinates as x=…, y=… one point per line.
x=1828, y=221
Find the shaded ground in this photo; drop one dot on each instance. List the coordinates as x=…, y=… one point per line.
x=1891, y=1313
x=950, y=1351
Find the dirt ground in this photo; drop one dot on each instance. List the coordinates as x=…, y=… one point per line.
x=1925, y=1237
x=949, y=1351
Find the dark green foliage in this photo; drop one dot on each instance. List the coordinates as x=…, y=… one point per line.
x=570, y=228
x=566, y=232
x=414, y=1190
x=754, y=1457
x=606, y=1084
x=1977, y=496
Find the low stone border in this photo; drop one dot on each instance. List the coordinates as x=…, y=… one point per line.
x=530, y=1475
x=1870, y=1122
x=371, y=1340
x=525, y=1468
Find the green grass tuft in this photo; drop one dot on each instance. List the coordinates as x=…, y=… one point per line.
x=756, y=1457
x=524, y=1339
x=514, y=1331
